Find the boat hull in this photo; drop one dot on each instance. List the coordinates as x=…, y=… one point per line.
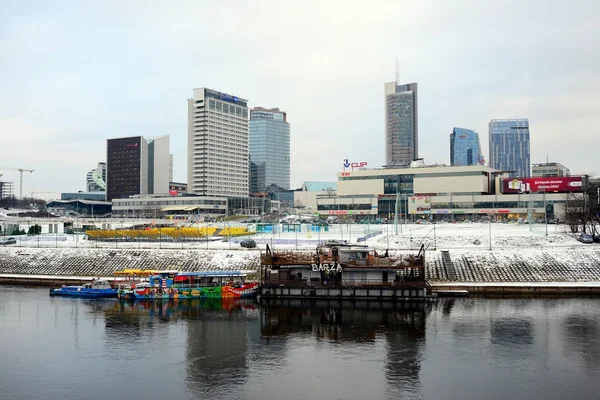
x=220, y=292
x=84, y=293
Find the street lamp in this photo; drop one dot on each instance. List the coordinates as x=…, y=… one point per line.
x=490, y=229
x=545, y=212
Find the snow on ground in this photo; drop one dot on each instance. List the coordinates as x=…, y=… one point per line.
x=411, y=236
x=475, y=236
x=520, y=253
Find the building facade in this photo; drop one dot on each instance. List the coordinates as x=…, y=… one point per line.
x=218, y=153
x=176, y=188
x=189, y=206
x=126, y=167
x=7, y=194
x=159, y=165
x=269, y=149
x=96, y=179
x=465, y=148
x=550, y=169
x=94, y=196
x=510, y=146
x=447, y=193
x=401, y=124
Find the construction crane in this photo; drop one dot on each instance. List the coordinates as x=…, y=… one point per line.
x=21, y=170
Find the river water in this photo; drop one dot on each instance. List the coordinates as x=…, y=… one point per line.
x=57, y=348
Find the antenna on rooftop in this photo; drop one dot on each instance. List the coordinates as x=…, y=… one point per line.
x=397, y=72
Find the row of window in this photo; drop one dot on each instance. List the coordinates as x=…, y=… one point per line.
x=144, y=203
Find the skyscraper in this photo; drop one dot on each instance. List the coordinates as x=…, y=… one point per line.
x=269, y=149
x=159, y=171
x=96, y=179
x=136, y=166
x=509, y=146
x=218, y=152
x=126, y=167
x=401, y=123
x=465, y=148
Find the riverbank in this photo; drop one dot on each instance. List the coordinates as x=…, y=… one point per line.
x=527, y=271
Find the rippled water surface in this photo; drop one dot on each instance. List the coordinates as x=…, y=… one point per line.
x=55, y=348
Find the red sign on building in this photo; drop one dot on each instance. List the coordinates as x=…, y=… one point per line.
x=549, y=185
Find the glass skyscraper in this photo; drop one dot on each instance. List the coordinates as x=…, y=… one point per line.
x=465, y=148
x=401, y=124
x=269, y=149
x=510, y=147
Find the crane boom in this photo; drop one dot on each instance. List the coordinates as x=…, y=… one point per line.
x=21, y=170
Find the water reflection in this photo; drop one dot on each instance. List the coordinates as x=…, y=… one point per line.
x=125, y=313
x=581, y=339
x=58, y=348
x=216, y=336
x=342, y=321
x=400, y=325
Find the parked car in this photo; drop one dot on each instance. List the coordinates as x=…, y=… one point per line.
x=585, y=238
x=10, y=240
x=596, y=239
x=248, y=243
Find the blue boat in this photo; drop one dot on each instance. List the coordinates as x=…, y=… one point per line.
x=95, y=290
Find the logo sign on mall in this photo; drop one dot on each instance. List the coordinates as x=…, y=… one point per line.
x=226, y=97
x=348, y=164
x=557, y=185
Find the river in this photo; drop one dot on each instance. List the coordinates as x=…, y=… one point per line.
x=60, y=348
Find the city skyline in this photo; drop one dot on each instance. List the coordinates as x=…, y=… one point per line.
x=102, y=86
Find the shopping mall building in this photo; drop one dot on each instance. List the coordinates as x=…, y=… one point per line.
x=448, y=193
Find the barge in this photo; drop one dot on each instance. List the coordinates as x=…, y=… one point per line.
x=344, y=271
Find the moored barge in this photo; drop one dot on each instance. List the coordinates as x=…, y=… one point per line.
x=340, y=270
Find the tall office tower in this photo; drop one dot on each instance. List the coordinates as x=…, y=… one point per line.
x=269, y=149
x=401, y=124
x=126, y=167
x=170, y=167
x=96, y=179
x=510, y=147
x=465, y=148
x=158, y=165
x=218, y=155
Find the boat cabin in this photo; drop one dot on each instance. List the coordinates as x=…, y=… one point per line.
x=162, y=278
x=210, y=279
x=99, y=284
x=342, y=265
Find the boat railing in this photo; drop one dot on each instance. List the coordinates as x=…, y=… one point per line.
x=288, y=258
x=354, y=283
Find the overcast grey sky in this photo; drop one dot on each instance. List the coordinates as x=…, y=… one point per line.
x=74, y=73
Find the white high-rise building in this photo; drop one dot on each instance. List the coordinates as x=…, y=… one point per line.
x=159, y=165
x=96, y=179
x=170, y=167
x=217, y=144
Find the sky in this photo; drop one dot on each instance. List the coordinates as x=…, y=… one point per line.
x=73, y=74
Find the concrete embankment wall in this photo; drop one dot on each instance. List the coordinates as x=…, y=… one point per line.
x=506, y=270
x=104, y=262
